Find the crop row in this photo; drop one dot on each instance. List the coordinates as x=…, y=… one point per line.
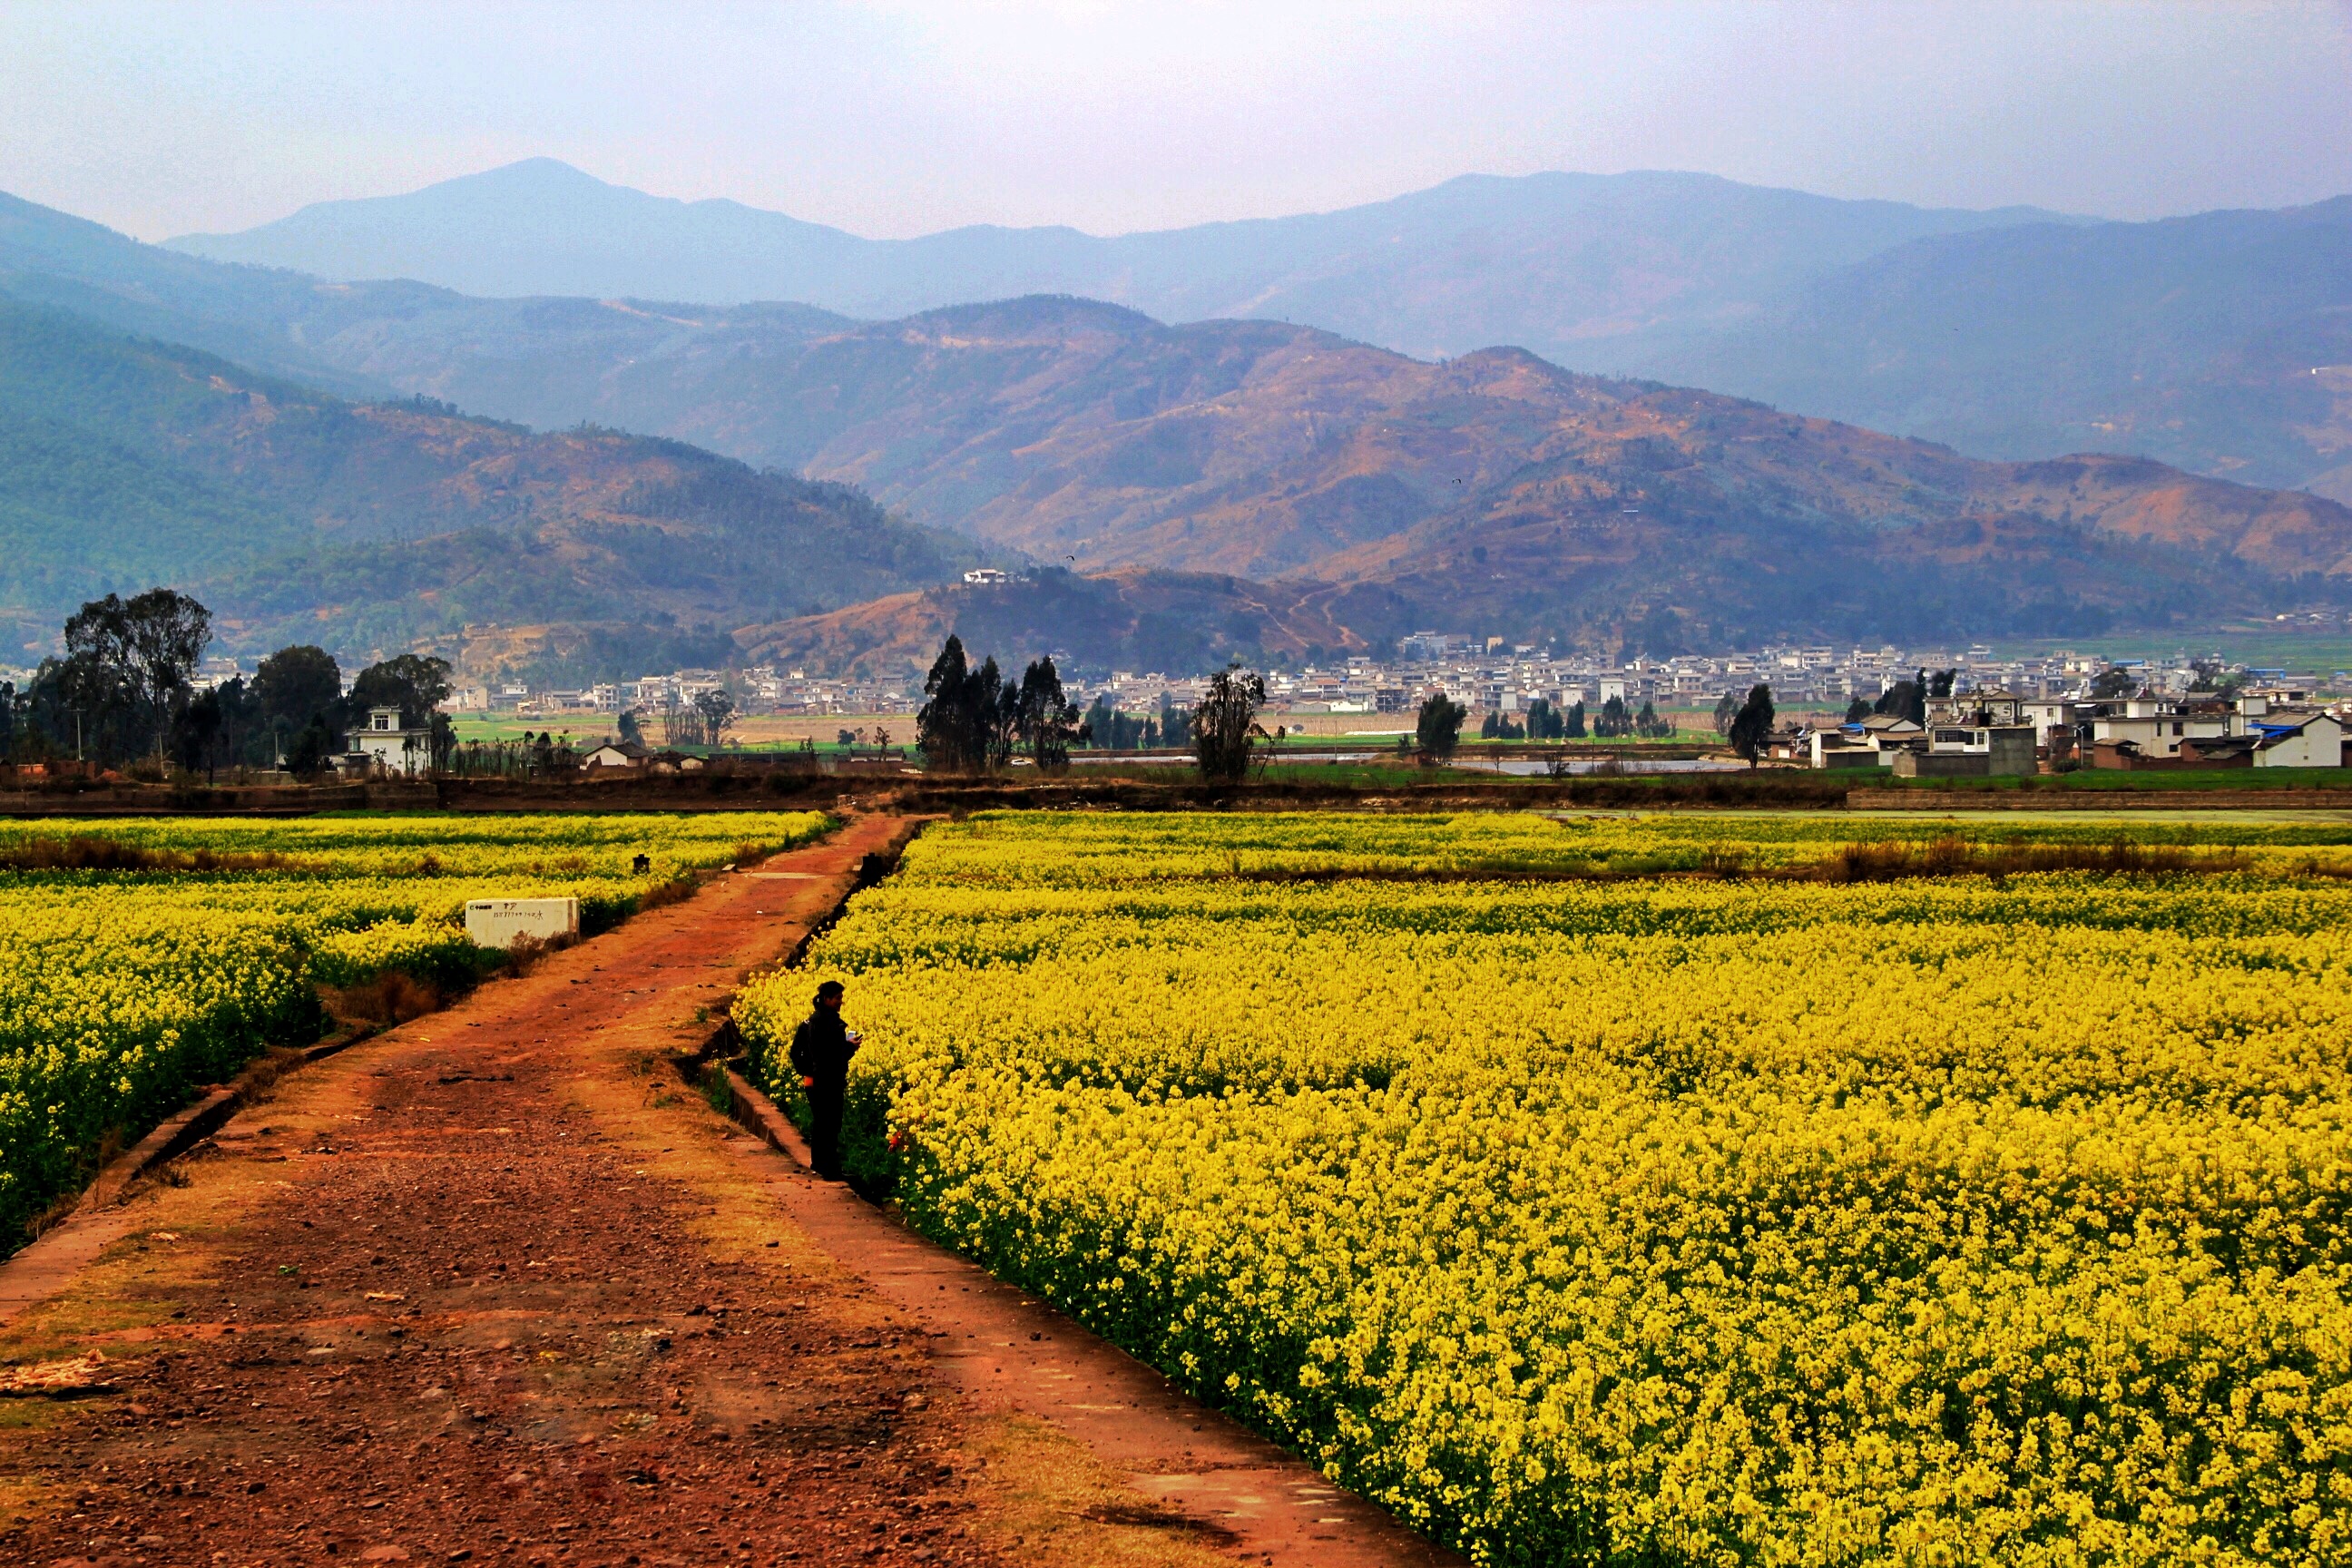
x=120, y=990
x=1671, y=1221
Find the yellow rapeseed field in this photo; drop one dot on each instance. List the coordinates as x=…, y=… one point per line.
x=1647, y=1215
x=119, y=990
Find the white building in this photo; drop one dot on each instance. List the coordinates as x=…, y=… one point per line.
x=2154, y=728
x=2316, y=741
x=384, y=746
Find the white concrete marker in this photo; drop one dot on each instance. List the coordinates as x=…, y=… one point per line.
x=497, y=923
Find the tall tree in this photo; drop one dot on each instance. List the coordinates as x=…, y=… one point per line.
x=1751, y=728
x=943, y=729
x=1175, y=725
x=1046, y=720
x=967, y=718
x=83, y=706
x=414, y=683
x=996, y=709
x=1438, y=728
x=717, y=709
x=196, y=731
x=1224, y=723
x=295, y=685
x=151, y=643
x=1906, y=700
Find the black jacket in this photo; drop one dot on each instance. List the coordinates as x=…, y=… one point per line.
x=821, y=1048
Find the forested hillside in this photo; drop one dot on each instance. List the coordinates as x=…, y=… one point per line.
x=380, y=525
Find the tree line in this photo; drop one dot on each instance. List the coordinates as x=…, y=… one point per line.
x=124, y=692
x=976, y=720
x=1547, y=721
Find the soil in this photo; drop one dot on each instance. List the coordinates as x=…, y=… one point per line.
x=501, y=1287
x=491, y=1289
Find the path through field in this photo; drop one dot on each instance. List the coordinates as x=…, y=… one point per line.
x=498, y=1287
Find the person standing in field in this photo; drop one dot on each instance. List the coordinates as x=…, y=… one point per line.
x=821, y=1047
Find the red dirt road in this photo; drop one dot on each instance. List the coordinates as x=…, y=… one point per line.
x=491, y=1289
x=496, y=1287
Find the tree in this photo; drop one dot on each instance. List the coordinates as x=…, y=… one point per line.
x=84, y=706
x=1572, y=727
x=151, y=644
x=295, y=685
x=1438, y=729
x=1939, y=685
x=1543, y=721
x=1855, y=711
x=997, y=703
x=1751, y=728
x=943, y=729
x=1727, y=709
x=197, y=730
x=312, y=747
x=632, y=731
x=1615, y=720
x=1649, y=726
x=1175, y=725
x=717, y=710
x=414, y=683
x=2213, y=677
x=1045, y=718
x=966, y=721
x=2113, y=682
x=1499, y=726
x=1906, y=700
x=1224, y=723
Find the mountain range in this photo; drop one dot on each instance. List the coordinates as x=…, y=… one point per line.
x=300, y=516
x=293, y=445
x=2008, y=333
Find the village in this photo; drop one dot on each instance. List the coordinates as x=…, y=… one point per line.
x=1977, y=712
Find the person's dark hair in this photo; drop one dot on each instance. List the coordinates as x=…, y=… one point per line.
x=830, y=988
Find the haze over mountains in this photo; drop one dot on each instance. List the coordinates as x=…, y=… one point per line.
x=1541, y=261
x=2008, y=333
x=1251, y=486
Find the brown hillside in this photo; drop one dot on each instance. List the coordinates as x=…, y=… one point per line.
x=1134, y=619
x=1092, y=436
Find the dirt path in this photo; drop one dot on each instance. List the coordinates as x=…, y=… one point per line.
x=498, y=1288
x=1006, y=1351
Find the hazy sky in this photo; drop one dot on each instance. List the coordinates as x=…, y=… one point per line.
x=902, y=116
